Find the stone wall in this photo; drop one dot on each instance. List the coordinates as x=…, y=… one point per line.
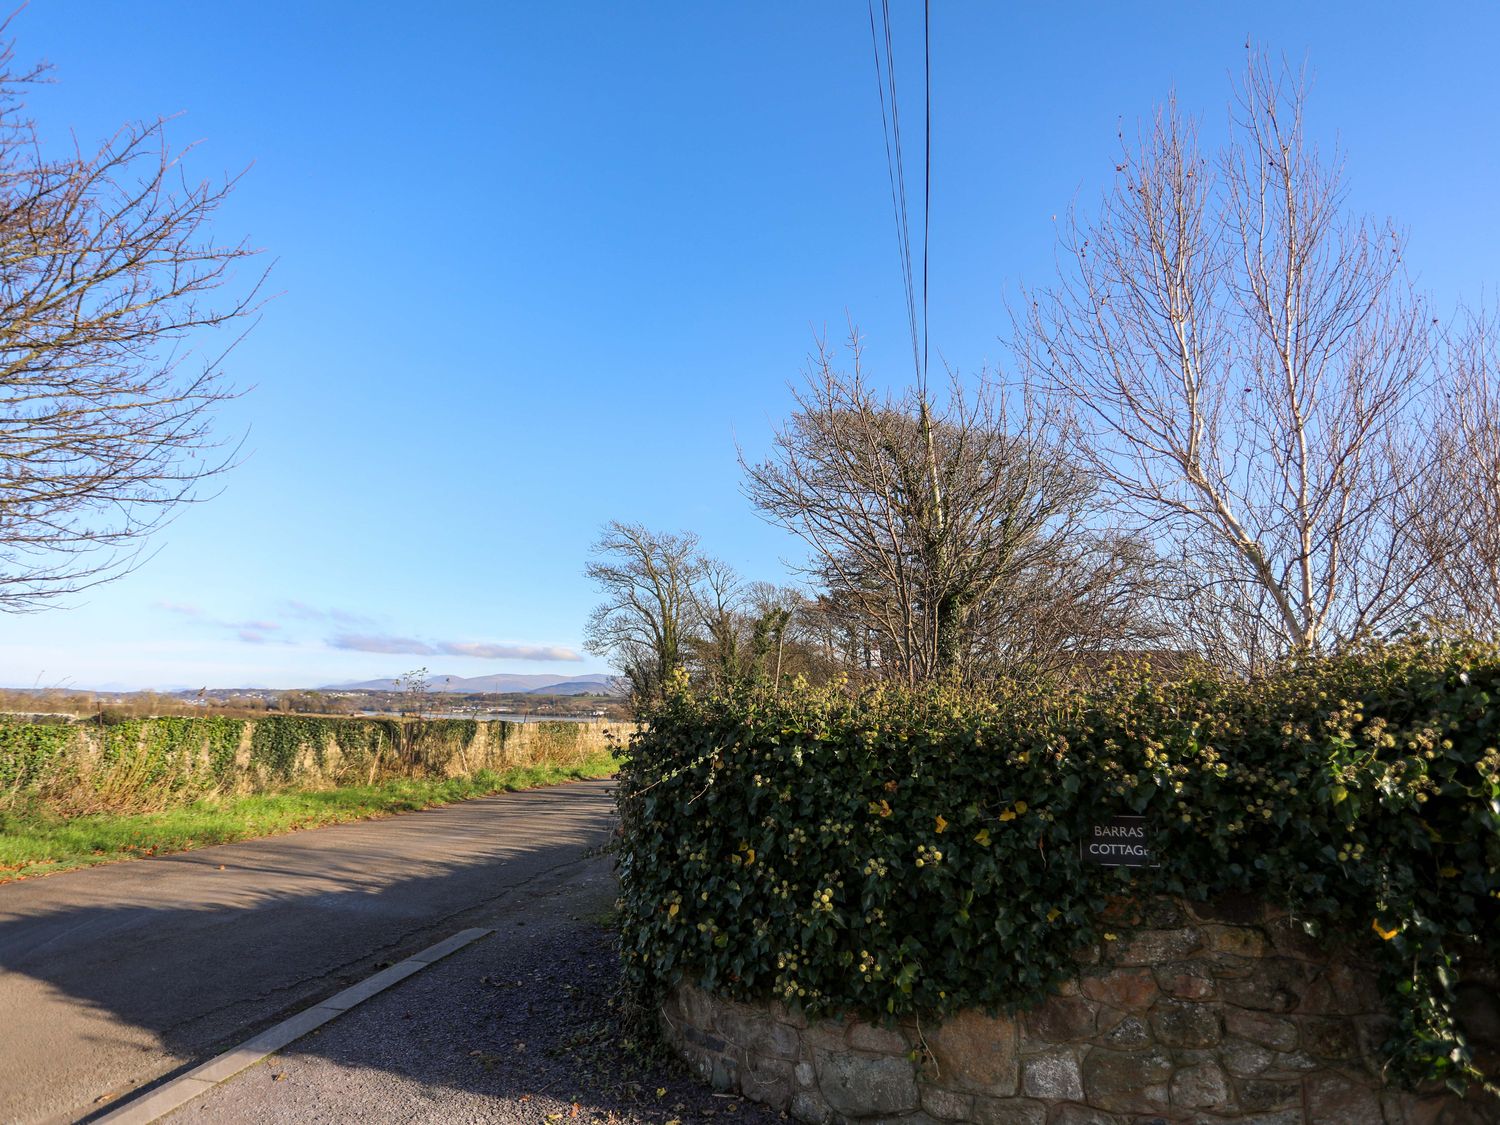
x=150, y=764
x=1201, y=1014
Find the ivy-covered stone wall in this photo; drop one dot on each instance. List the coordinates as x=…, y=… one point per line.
x=1222, y=1013
x=920, y=854
x=145, y=764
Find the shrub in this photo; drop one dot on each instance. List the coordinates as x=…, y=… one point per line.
x=919, y=852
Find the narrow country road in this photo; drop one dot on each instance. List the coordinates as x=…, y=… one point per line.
x=113, y=977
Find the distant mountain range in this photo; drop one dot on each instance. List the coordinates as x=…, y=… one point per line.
x=503, y=683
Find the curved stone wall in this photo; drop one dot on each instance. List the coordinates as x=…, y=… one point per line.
x=1207, y=1014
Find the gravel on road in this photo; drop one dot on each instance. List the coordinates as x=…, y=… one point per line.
x=518, y=1027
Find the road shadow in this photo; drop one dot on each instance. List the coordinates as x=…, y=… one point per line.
x=196, y=951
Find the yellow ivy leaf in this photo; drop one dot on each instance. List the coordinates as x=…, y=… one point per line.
x=1447, y=872
x=1021, y=807
x=749, y=857
x=982, y=837
x=672, y=911
x=1385, y=934
x=1052, y=915
x=1008, y=815
x=941, y=824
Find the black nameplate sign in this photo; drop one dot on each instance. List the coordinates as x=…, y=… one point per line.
x=1121, y=841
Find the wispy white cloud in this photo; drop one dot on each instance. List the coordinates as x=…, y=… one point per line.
x=411, y=646
x=251, y=632
x=507, y=652
x=182, y=608
x=303, y=611
x=361, y=642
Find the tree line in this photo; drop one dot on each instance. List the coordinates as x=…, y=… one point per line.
x=1235, y=430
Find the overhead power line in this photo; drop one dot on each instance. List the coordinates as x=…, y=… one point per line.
x=890, y=122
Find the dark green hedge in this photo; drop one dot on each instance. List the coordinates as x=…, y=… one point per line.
x=919, y=852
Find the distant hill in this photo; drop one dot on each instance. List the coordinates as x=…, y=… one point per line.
x=584, y=685
x=498, y=684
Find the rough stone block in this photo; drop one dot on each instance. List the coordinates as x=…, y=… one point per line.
x=1244, y=1058
x=1276, y=985
x=1180, y=1023
x=947, y=1105
x=1052, y=1075
x=769, y=1081
x=698, y=1008
x=805, y=1074
x=783, y=1014
x=1262, y=1095
x=1061, y=1019
x=1127, y=1081
x=1336, y=1099
x=1084, y=1115
x=1189, y=980
x=825, y=1035
x=1129, y=988
x=724, y=1074
x=1126, y=1034
x=1204, y=1086
x=976, y=1052
x=1261, y=1027
x=880, y=1040
x=1330, y=1037
x=1355, y=990
x=1010, y=1111
x=691, y=1034
x=1227, y=966
x=1152, y=947
x=1087, y=955
x=699, y=1061
x=1289, y=937
x=1241, y=941
x=1289, y=1064
x=809, y=1107
x=864, y=1087
x=757, y=1034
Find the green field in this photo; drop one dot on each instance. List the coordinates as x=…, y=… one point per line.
x=33, y=843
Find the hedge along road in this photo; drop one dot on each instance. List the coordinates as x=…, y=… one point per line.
x=116, y=976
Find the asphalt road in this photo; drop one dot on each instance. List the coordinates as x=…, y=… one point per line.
x=515, y=1029
x=115, y=977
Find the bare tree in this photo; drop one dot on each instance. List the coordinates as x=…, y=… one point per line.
x=920, y=521
x=719, y=611
x=1243, y=364
x=106, y=275
x=1457, y=512
x=645, y=623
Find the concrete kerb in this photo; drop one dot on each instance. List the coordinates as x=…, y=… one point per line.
x=179, y=1091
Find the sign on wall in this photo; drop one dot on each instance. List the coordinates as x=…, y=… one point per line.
x=1120, y=841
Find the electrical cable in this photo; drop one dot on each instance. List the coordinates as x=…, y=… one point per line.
x=885, y=79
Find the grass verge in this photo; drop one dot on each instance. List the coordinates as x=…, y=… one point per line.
x=33, y=842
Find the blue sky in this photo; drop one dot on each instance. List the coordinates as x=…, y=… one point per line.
x=540, y=266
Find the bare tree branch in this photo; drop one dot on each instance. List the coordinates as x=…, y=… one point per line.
x=1243, y=364
x=106, y=278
